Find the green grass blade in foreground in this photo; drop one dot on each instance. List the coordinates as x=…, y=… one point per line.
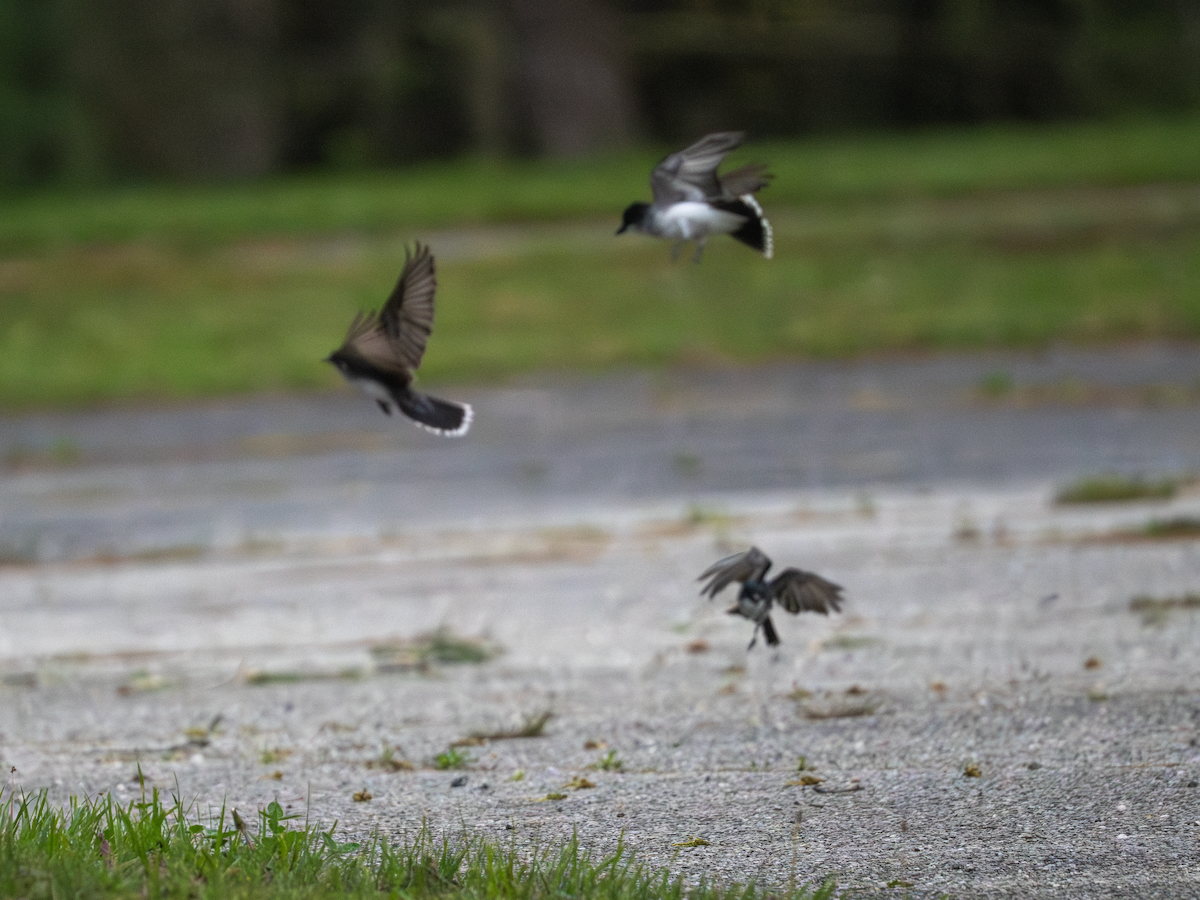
x=439, y=195
x=151, y=849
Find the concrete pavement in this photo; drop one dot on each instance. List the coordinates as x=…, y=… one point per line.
x=274, y=562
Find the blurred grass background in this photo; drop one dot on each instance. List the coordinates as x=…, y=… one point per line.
x=946, y=239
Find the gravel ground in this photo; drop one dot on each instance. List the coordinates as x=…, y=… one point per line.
x=986, y=630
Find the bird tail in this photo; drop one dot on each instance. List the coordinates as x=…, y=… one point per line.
x=756, y=230
x=768, y=628
x=442, y=417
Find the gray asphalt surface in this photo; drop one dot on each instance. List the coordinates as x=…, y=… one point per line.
x=270, y=469
x=268, y=561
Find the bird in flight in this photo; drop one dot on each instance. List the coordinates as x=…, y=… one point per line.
x=692, y=202
x=793, y=589
x=382, y=351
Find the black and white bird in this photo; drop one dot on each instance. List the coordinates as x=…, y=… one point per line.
x=793, y=589
x=692, y=202
x=382, y=351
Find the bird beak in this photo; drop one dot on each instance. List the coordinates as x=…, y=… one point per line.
x=622, y=228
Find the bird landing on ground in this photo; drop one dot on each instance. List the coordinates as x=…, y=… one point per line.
x=795, y=590
x=692, y=202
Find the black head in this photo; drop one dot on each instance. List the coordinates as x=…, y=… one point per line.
x=635, y=215
x=337, y=360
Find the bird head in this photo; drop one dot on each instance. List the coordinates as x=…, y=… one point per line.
x=634, y=215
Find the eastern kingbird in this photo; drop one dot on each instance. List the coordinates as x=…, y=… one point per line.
x=691, y=201
x=382, y=351
x=795, y=590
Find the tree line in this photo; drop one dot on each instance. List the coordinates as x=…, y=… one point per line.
x=96, y=90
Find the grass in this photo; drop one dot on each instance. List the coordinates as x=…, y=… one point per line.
x=451, y=759
x=532, y=725
x=1186, y=527
x=153, y=849
x=445, y=647
x=1156, y=610
x=1116, y=488
x=608, y=763
x=935, y=163
x=390, y=762
x=938, y=241
x=419, y=654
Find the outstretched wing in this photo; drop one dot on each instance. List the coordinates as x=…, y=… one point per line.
x=407, y=317
x=691, y=174
x=749, y=566
x=366, y=340
x=798, y=591
x=749, y=179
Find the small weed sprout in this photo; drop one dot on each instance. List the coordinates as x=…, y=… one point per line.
x=450, y=649
x=390, y=762
x=608, y=763
x=451, y=759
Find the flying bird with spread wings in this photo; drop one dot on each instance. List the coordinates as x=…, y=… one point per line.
x=382, y=351
x=692, y=202
x=795, y=590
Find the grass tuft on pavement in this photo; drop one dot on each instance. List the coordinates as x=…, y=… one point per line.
x=154, y=849
x=1117, y=488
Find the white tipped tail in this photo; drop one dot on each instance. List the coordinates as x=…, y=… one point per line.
x=463, y=428
x=444, y=417
x=768, y=236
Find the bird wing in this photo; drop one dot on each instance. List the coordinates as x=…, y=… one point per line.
x=751, y=565
x=747, y=180
x=366, y=340
x=407, y=318
x=798, y=591
x=691, y=174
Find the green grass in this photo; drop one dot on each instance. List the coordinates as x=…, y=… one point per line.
x=951, y=240
x=451, y=758
x=1116, y=488
x=1157, y=610
x=151, y=849
x=937, y=163
x=608, y=763
x=1185, y=527
x=151, y=323
x=446, y=647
